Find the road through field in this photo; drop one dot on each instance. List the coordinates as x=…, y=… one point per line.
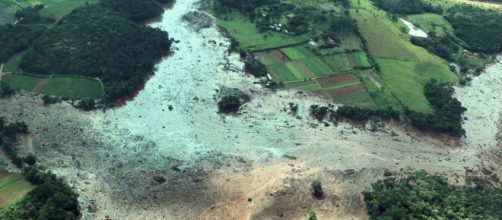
x=168, y=154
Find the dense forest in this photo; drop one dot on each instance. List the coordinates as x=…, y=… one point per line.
x=405, y=7
x=480, y=28
x=136, y=10
x=16, y=38
x=421, y=196
x=97, y=41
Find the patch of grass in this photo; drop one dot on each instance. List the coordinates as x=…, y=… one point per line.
x=339, y=62
x=343, y=84
x=63, y=86
x=307, y=86
x=245, y=32
x=360, y=60
x=406, y=80
x=298, y=74
x=267, y=59
x=318, y=67
x=297, y=52
x=383, y=39
x=74, y=87
x=12, y=188
x=21, y=82
x=383, y=98
x=281, y=73
x=360, y=99
x=431, y=22
x=12, y=64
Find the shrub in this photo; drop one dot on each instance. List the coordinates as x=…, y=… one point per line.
x=318, y=192
x=229, y=104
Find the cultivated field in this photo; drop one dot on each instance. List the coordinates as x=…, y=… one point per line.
x=404, y=68
x=13, y=187
x=62, y=86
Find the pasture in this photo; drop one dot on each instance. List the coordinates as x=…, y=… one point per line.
x=53, y=8
x=404, y=67
x=62, y=86
x=247, y=35
x=431, y=22
x=359, y=60
x=13, y=186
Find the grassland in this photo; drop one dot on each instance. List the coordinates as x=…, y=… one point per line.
x=245, y=32
x=404, y=68
x=13, y=187
x=431, y=22
x=62, y=86
x=54, y=8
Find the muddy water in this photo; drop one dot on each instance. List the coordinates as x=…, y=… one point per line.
x=483, y=100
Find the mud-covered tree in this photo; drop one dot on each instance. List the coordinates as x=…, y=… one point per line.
x=318, y=192
x=229, y=104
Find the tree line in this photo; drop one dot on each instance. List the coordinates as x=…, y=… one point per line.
x=99, y=41
x=423, y=196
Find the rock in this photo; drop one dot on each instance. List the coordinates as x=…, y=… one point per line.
x=159, y=179
x=198, y=20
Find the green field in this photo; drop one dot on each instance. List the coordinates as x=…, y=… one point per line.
x=339, y=62
x=54, y=8
x=307, y=86
x=360, y=60
x=384, y=40
x=21, y=82
x=431, y=22
x=281, y=73
x=63, y=86
x=11, y=66
x=297, y=52
x=73, y=87
x=318, y=66
x=404, y=68
x=245, y=32
x=13, y=186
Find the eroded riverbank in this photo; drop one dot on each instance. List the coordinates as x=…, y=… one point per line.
x=145, y=160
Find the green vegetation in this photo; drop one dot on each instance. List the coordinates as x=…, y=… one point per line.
x=405, y=6
x=16, y=38
x=13, y=187
x=430, y=22
x=95, y=41
x=248, y=37
x=229, y=104
x=448, y=111
x=479, y=28
x=20, y=82
x=318, y=192
x=422, y=196
x=74, y=87
x=312, y=216
x=51, y=197
x=136, y=10
x=404, y=68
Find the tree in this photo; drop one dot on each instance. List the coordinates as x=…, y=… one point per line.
x=318, y=192
x=229, y=104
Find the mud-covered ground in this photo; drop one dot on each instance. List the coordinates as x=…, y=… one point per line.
x=146, y=160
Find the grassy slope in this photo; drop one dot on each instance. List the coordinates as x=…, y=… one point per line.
x=12, y=188
x=431, y=22
x=248, y=36
x=405, y=68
